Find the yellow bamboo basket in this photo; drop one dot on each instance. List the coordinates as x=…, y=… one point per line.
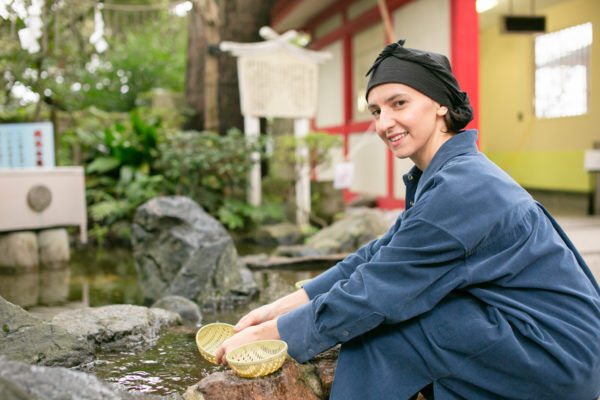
x=256, y=359
x=210, y=337
x=300, y=283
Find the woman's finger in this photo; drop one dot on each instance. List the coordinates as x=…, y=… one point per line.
x=246, y=321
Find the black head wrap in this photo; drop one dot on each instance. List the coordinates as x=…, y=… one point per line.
x=429, y=73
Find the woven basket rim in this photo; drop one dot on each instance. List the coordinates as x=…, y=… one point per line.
x=261, y=361
x=208, y=326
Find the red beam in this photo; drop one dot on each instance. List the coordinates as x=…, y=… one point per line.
x=465, y=51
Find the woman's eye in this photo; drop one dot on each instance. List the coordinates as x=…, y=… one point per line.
x=399, y=103
x=375, y=113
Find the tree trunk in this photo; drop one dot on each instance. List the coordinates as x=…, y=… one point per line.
x=194, y=86
x=212, y=24
x=241, y=20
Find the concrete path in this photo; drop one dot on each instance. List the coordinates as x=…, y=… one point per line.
x=584, y=232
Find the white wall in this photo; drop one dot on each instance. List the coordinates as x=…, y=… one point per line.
x=330, y=101
x=425, y=24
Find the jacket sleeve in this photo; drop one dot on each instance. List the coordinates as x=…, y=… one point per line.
x=407, y=277
x=345, y=268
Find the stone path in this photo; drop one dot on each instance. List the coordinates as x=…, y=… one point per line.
x=584, y=232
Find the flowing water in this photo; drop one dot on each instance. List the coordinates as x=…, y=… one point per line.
x=174, y=363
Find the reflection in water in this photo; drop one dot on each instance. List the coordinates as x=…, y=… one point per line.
x=174, y=363
x=108, y=275
x=171, y=366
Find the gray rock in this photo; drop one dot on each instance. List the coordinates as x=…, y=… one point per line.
x=187, y=309
x=181, y=250
x=53, y=247
x=301, y=251
x=19, y=249
x=344, y=236
x=363, y=201
x=117, y=327
x=24, y=337
x=350, y=233
x=278, y=234
x=22, y=381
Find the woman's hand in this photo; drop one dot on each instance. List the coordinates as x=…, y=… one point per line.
x=257, y=316
x=272, y=311
x=264, y=331
x=261, y=323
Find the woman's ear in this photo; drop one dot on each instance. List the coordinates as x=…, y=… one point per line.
x=442, y=110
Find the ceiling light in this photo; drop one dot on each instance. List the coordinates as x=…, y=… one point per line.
x=484, y=5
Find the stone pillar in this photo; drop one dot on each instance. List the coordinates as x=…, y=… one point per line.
x=19, y=274
x=252, y=132
x=54, y=257
x=301, y=128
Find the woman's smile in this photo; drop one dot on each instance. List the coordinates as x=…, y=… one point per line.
x=395, y=138
x=410, y=123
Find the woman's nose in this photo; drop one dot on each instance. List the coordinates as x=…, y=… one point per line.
x=386, y=120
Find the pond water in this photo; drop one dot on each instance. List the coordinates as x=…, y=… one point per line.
x=174, y=363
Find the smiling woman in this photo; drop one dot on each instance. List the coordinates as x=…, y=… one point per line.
x=474, y=293
x=410, y=123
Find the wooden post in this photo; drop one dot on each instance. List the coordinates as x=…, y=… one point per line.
x=387, y=21
x=597, y=191
x=252, y=131
x=301, y=127
x=212, y=23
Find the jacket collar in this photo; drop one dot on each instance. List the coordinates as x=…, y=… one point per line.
x=464, y=142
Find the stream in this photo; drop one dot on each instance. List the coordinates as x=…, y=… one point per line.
x=174, y=363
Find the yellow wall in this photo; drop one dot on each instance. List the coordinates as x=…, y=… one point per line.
x=538, y=153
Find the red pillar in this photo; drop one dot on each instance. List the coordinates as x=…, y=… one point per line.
x=465, y=51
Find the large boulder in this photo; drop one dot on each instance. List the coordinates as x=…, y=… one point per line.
x=293, y=381
x=21, y=381
x=344, y=236
x=117, y=327
x=27, y=338
x=308, y=381
x=181, y=250
x=187, y=309
x=278, y=234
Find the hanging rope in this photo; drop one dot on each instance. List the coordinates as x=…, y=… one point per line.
x=136, y=7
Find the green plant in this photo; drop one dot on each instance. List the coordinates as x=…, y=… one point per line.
x=119, y=173
x=213, y=170
x=318, y=144
x=280, y=184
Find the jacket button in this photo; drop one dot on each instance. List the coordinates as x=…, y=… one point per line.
x=345, y=333
x=411, y=203
x=410, y=178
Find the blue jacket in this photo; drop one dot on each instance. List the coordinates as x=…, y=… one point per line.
x=475, y=289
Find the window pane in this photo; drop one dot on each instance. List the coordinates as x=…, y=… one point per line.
x=562, y=62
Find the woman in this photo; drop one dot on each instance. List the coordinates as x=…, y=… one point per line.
x=475, y=291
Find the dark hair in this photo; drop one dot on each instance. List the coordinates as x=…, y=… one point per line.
x=458, y=117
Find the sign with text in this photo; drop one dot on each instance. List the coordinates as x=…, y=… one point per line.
x=591, y=161
x=28, y=144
